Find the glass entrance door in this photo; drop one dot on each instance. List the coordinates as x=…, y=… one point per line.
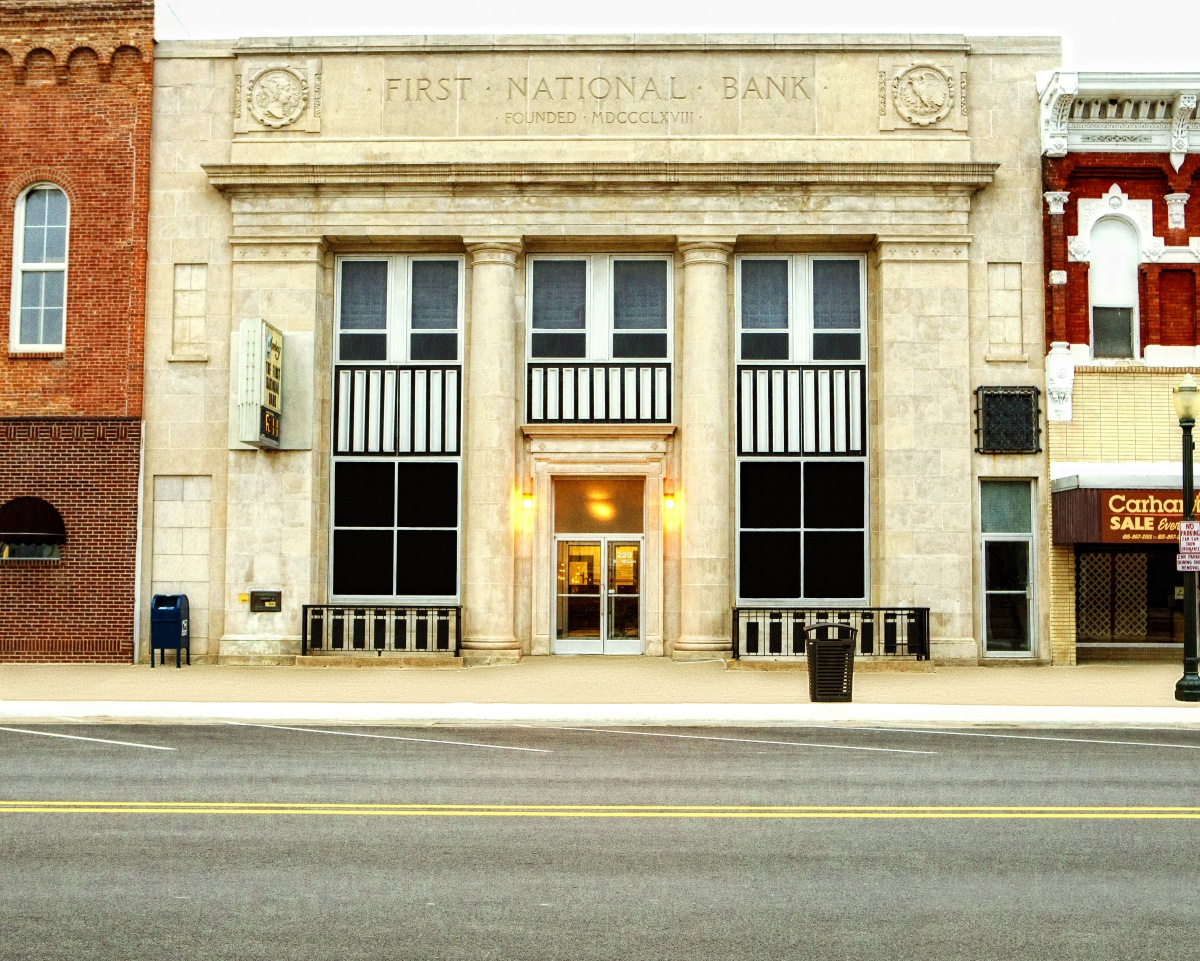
x=598, y=597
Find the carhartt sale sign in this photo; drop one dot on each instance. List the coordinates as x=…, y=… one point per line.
x=1141, y=516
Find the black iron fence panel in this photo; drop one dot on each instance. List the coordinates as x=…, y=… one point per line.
x=628, y=392
x=794, y=410
x=882, y=631
x=397, y=410
x=380, y=629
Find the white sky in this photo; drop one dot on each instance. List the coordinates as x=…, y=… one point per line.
x=1093, y=38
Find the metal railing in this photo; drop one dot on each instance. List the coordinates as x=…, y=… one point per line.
x=379, y=629
x=389, y=410
x=882, y=631
x=628, y=392
x=792, y=410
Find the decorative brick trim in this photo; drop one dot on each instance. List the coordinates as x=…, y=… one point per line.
x=70, y=431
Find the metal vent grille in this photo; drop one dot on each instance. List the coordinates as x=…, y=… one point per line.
x=1006, y=420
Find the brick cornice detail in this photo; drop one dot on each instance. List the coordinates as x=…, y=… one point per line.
x=69, y=430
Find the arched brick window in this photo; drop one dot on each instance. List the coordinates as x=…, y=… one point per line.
x=30, y=529
x=1113, y=288
x=39, y=297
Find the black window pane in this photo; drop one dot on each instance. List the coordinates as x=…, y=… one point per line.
x=769, y=564
x=362, y=562
x=363, y=494
x=764, y=294
x=434, y=347
x=560, y=345
x=837, y=347
x=426, y=563
x=362, y=347
x=640, y=294
x=764, y=346
x=650, y=346
x=1007, y=564
x=364, y=294
x=836, y=297
x=559, y=294
x=834, y=494
x=427, y=494
x=434, y=294
x=1112, y=331
x=833, y=565
x=770, y=494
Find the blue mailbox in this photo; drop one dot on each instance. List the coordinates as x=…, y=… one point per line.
x=169, y=627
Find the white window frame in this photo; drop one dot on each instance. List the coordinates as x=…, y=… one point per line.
x=20, y=268
x=398, y=321
x=802, y=600
x=1029, y=539
x=800, y=307
x=405, y=600
x=1135, y=320
x=599, y=297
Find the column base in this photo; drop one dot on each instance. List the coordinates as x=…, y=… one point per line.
x=490, y=658
x=701, y=648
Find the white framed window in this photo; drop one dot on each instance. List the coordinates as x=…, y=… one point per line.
x=599, y=307
x=802, y=531
x=399, y=308
x=396, y=530
x=1113, y=289
x=39, y=288
x=801, y=308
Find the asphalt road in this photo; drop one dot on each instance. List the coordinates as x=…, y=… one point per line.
x=250, y=842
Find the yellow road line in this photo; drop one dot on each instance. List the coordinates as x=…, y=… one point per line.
x=940, y=812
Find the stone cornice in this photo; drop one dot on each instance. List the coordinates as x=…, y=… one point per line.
x=608, y=177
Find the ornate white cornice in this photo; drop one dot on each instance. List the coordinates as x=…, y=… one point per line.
x=1126, y=112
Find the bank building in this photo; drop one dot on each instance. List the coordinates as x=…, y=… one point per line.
x=492, y=347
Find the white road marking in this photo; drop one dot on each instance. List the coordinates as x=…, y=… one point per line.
x=98, y=740
x=1018, y=737
x=392, y=737
x=745, y=740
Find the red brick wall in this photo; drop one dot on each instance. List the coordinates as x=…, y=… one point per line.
x=75, y=100
x=82, y=607
x=1167, y=295
x=75, y=92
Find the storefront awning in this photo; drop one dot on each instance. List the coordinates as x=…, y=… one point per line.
x=1131, y=504
x=31, y=520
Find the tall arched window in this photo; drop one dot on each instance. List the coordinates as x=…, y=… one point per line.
x=1113, y=288
x=39, y=269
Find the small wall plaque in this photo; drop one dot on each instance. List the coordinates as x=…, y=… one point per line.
x=266, y=602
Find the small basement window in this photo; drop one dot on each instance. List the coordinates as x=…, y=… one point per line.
x=30, y=530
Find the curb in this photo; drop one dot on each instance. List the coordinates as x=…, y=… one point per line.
x=691, y=714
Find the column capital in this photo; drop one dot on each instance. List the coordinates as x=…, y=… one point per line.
x=1056, y=201
x=705, y=250
x=494, y=250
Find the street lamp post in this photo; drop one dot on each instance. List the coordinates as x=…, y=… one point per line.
x=1187, y=407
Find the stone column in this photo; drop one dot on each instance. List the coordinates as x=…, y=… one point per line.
x=490, y=451
x=706, y=586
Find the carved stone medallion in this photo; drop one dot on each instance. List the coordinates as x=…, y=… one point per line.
x=277, y=96
x=923, y=94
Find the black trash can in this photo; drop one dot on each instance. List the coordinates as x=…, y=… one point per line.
x=830, y=650
x=170, y=627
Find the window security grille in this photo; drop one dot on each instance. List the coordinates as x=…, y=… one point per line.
x=1006, y=420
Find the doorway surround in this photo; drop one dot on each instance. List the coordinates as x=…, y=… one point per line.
x=593, y=450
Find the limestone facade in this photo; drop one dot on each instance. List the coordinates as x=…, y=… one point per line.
x=911, y=163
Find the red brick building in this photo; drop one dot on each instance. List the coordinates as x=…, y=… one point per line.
x=75, y=97
x=1121, y=176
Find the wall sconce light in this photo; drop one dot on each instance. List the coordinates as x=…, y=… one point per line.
x=527, y=494
x=668, y=495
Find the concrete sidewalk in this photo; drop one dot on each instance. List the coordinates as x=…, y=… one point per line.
x=592, y=689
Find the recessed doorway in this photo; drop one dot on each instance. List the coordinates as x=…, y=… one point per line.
x=598, y=542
